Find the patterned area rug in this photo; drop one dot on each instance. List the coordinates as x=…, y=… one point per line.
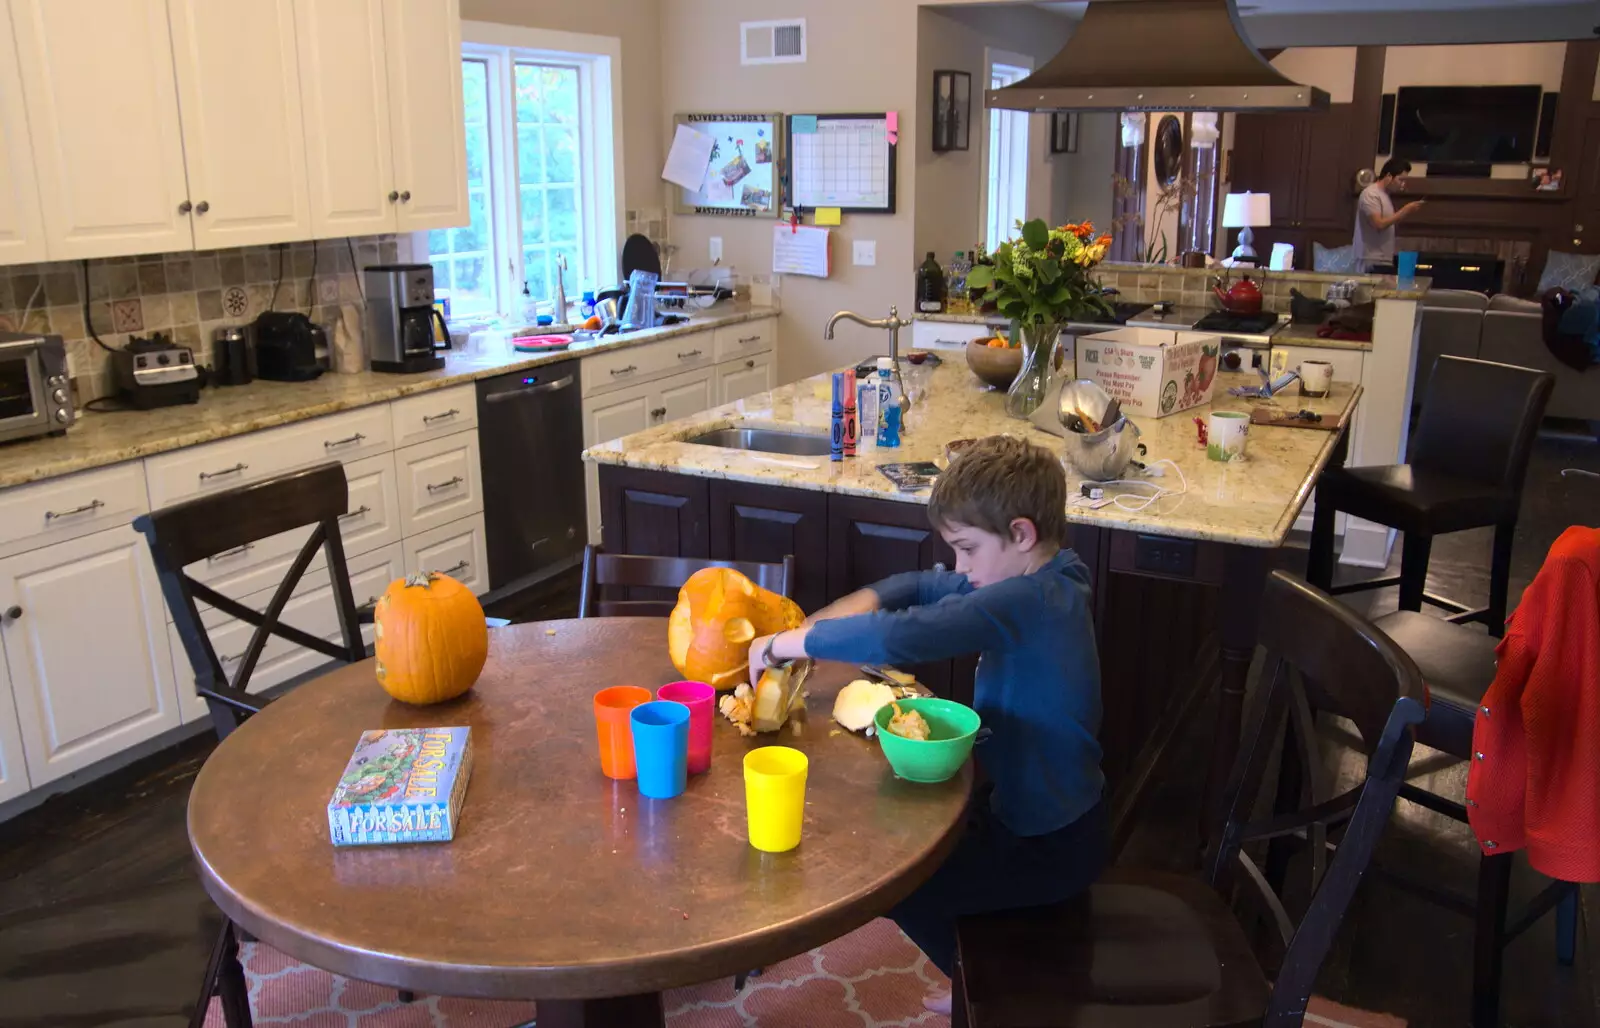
x=871, y=978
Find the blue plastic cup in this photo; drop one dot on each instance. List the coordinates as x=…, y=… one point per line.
x=661, y=747
x=1407, y=265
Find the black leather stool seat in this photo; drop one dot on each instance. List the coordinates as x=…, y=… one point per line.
x=1139, y=948
x=1457, y=663
x=1416, y=499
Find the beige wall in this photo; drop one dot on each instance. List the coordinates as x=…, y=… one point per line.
x=638, y=24
x=1490, y=64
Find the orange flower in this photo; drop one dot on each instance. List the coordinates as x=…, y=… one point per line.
x=1103, y=241
x=1083, y=231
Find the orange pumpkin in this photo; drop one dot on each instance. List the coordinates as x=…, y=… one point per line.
x=719, y=612
x=431, y=639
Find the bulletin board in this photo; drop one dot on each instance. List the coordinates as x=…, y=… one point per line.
x=842, y=160
x=742, y=175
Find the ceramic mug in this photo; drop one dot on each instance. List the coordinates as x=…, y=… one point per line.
x=1227, y=435
x=1316, y=378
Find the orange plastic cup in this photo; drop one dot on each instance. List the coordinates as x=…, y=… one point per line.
x=612, y=708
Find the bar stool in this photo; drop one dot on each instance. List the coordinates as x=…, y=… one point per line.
x=1467, y=466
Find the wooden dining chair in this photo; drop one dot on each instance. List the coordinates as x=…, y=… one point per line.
x=198, y=529
x=1167, y=951
x=663, y=577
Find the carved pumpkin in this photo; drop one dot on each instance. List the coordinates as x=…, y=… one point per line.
x=719, y=612
x=430, y=638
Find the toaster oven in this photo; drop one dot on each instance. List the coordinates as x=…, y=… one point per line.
x=35, y=397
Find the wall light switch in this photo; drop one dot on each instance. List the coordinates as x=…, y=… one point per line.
x=716, y=249
x=866, y=252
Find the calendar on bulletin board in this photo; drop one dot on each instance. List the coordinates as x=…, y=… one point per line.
x=842, y=160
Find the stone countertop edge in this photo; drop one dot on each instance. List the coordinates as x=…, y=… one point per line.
x=100, y=439
x=1286, y=332
x=796, y=407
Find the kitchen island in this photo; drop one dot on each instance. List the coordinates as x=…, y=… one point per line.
x=1177, y=584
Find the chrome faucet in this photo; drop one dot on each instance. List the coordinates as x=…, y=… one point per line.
x=894, y=323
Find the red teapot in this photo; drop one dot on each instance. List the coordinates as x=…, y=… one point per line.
x=1244, y=297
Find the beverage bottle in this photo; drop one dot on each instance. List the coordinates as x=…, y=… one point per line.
x=930, y=286
x=888, y=398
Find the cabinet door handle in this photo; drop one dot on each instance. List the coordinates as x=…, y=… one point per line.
x=185, y=207
x=394, y=195
x=452, y=412
x=623, y=371
x=750, y=339
x=459, y=565
x=687, y=356
x=363, y=509
x=749, y=364
x=451, y=483
x=230, y=659
x=346, y=441
x=51, y=515
x=13, y=613
x=658, y=413
x=225, y=471
x=202, y=207
x=405, y=196
x=235, y=552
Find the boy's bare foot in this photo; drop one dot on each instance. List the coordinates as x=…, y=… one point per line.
x=937, y=1002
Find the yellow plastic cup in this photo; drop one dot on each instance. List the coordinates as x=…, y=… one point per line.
x=775, y=797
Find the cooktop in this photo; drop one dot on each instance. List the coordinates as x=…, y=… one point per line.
x=1245, y=324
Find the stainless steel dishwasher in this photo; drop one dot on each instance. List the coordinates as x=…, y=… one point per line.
x=530, y=431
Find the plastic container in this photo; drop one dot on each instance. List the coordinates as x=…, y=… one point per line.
x=867, y=410
x=612, y=708
x=661, y=748
x=586, y=308
x=954, y=727
x=888, y=400
x=701, y=700
x=775, y=797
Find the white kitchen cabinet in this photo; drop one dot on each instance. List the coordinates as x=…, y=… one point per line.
x=344, y=97
x=243, y=140
x=102, y=112
x=13, y=768
x=423, y=45
x=439, y=481
x=609, y=416
x=86, y=647
x=21, y=224
x=682, y=395
x=740, y=378
x=457, y=549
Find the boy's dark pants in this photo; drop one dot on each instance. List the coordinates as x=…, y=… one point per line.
x=993, y=869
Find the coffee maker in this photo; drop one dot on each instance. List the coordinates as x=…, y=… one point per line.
x=401, y=317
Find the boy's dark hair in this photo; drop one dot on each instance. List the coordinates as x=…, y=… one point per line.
x=998, y=479
x=1395, y=166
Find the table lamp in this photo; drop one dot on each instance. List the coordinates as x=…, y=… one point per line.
x=1246, y=211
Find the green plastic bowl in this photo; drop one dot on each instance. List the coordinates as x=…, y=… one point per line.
x=954, y=727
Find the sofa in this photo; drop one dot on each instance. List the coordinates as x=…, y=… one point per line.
x=1504, y=329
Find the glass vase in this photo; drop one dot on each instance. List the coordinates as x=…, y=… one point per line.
x=1038, y=368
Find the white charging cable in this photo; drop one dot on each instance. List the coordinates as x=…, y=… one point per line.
x=1141, y=501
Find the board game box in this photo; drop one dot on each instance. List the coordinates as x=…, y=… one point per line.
x=402, y=785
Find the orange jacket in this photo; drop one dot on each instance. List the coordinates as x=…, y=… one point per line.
x=1535, y=777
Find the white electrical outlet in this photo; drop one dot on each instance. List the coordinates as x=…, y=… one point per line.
x=866, y=252
x=716, y=249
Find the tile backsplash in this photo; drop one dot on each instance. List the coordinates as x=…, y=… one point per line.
x=186, y=296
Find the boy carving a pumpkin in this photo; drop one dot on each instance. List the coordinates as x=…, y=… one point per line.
x=1021, y=600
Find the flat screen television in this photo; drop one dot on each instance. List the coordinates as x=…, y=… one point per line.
x=1466, y=124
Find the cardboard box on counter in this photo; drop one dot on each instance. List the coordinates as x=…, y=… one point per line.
x=1154, y=372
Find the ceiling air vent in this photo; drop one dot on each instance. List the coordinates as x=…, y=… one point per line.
x=772, y=42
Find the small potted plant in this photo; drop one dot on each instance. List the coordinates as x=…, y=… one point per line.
x=1040, y=280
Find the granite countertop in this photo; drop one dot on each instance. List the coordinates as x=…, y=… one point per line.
x=99, y=439
x=1253, y=503
x=1183, y=318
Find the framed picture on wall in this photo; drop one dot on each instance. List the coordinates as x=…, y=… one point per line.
x=1064, y=132
x=952, y=110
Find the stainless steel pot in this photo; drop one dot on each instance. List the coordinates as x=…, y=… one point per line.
x=1104, y=454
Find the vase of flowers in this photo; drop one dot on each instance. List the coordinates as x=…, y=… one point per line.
x=1040, y=280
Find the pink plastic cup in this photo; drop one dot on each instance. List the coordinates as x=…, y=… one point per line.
x=701, y=700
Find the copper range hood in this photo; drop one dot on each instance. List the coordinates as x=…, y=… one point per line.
x=1158, y=55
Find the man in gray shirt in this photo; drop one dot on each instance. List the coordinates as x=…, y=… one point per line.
x=1376, y=216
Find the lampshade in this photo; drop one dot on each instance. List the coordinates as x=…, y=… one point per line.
x=1246, y=210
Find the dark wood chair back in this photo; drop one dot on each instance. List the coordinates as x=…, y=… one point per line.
x=1319, y=654
x=204, y=527
x=606, y=571
x=1479, y=420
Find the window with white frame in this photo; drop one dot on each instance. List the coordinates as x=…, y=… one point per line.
x=1006, y=187
x=541, y=173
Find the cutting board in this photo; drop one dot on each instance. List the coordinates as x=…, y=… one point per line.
x=1282, y=417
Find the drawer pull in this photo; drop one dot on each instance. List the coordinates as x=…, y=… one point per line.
x=450, y=483
x=346, y=441
x=51, y=515
x=751, y=339
x=13, y=613
x=231, y=658
x=750, y=363
x=623, y=371
x=452, y=412
x=658, y=413
x=237, y=551
x=363, y=509
x=225, y=471
x=459, y=565
x=690, y=355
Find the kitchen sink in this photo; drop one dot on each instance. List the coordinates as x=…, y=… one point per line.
x=766, y=440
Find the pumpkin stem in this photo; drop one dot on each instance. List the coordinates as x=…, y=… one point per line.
x=422, y=578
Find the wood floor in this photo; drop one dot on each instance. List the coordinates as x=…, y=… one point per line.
x=102, y=922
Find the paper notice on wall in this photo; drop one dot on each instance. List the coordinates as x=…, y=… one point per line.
x=800, y=250
x=689, y=157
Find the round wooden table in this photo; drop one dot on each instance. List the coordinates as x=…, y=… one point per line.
x=560, y=885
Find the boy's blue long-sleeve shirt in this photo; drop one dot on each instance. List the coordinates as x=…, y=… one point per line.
x=1038, y=684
